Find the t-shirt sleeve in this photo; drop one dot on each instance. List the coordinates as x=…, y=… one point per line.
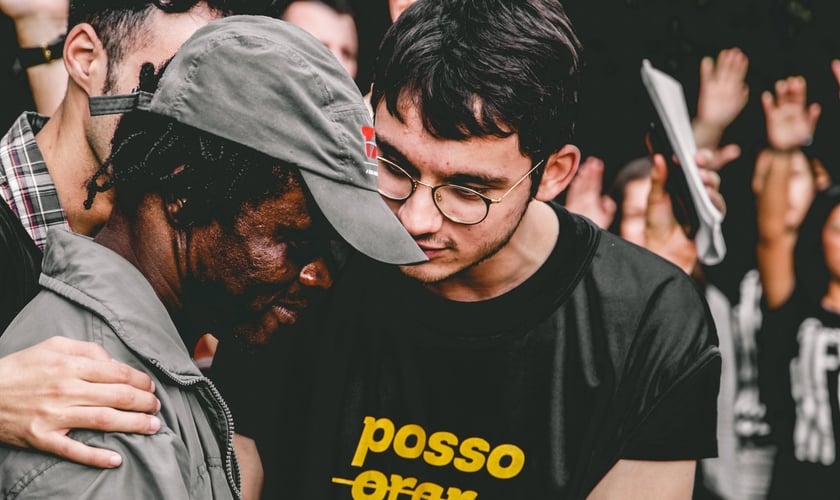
x=673, y=376
x=682, y=425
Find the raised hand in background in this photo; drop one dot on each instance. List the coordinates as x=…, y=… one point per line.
x=584, y=195
x=790, y=120
x=722, y=96
x=663, y=234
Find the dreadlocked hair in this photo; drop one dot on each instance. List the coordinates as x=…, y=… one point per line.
x=153, y=154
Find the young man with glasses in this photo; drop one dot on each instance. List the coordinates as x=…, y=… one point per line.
x=534, y=355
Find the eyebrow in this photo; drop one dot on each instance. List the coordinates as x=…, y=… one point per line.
x=389, y=151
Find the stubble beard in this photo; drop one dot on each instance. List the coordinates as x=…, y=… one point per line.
x=486, y=252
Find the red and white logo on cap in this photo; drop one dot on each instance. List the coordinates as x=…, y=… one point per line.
x=370, y=142
x=371, y=151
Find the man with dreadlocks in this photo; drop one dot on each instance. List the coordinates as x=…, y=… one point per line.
x=224, y=218
x=533, y=356
x=44, y=164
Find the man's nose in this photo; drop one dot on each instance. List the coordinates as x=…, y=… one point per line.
x=419, y=214
x=316, y=274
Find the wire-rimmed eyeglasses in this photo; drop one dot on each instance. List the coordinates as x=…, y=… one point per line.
x=459, y=204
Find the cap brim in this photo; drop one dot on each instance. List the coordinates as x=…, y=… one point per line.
x=363, y=219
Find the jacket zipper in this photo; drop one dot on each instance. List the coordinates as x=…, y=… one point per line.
x=232, y=472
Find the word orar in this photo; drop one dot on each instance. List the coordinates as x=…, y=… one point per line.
x=374, y=485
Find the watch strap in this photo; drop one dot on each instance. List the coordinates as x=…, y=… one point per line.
x=33, y=56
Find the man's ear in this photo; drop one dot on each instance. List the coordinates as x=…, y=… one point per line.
x=85, y=58
x=173, y=206
x=560, y=169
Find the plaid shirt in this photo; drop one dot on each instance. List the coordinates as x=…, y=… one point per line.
x=25, y=183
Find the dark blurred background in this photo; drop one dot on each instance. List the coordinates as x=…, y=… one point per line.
x=780, y=37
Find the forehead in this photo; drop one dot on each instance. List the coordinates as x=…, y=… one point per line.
x=408, y=141
x=288, y=210
x=321, y=20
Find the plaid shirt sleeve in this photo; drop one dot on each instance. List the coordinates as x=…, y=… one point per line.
x=25, y=182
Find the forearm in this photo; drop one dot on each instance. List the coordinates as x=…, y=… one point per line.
x=776, y=240
x=776, y=271
x=250, y=466
x=48, y=81
x=771, y=198
x=647, y=480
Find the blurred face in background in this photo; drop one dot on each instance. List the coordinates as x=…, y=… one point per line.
x=396, y=7
x=334, y=29
x=831, y=243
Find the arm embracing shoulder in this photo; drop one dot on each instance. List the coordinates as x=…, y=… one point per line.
x=153, y=467
x=48, y=387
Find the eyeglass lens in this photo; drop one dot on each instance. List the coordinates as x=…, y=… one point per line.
x=456, y=203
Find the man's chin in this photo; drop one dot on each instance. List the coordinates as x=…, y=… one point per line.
x=254, y=339
x=428, y=273
x=256, y=335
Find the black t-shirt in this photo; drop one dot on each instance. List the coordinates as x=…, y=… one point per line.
x=799, y=366
x=607, y=352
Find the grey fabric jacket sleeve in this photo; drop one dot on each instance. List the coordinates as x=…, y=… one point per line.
x=153, y=467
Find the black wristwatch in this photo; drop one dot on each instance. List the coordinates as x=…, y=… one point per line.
x=33, y=56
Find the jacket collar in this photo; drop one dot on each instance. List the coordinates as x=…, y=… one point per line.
x=100, y=280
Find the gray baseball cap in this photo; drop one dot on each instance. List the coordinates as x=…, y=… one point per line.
x=271, y=86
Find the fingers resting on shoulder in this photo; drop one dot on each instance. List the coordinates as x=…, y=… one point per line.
x=61, y=384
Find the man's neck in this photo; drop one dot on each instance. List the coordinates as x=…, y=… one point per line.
x=149, y=251
x=146, y=244
x=528, y=249
x=71, y=163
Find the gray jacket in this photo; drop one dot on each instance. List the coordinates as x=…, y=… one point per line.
x=90, y=293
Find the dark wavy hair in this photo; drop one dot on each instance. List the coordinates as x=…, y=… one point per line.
x=121, y=24
x=477, y=68
x=812, y=273
x=156, y=154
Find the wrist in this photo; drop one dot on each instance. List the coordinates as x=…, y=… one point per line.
x=790, y=149
x=807, y=148
x=706, y=134
x=28, y=57
x=39, y=29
